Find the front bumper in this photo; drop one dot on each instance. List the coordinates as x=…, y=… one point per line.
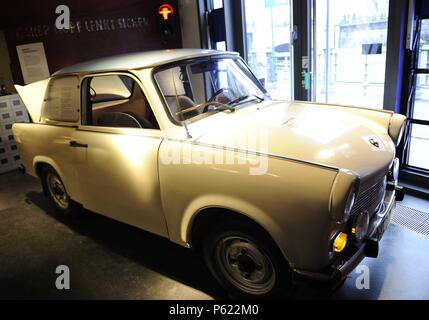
x=332, y=276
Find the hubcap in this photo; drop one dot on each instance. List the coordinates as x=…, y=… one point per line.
x=245, y=265
x=57, y=191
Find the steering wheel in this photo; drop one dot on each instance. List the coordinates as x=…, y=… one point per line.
x=213, y=97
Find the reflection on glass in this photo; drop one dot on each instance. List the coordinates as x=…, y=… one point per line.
x=419, y=147
x=268, y=30
x=350, y=51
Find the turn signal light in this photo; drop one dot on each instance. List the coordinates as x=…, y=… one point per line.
x=340, y=242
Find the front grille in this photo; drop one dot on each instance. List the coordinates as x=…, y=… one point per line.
x=369, y=199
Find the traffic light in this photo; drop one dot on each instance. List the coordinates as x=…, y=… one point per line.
x=166, y=13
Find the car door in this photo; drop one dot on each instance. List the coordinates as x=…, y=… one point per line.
x=117, y=165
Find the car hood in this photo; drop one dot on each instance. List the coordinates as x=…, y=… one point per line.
x=326, y=135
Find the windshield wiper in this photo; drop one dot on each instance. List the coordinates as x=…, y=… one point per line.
x=222, y=107
x=242, y=98
x=217, y=107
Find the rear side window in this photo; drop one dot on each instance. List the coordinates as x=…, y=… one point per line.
x=62, y=99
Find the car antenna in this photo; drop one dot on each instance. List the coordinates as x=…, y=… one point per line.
x=188, y=135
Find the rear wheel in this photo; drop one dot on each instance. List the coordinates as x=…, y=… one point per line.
x=56, y=191
x=246, y=262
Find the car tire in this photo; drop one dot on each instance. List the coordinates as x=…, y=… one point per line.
x=55, y=190
x=246, y=262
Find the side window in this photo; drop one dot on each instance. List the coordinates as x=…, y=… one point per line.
x=62, y=99
x=182, y=90
x=116, y=101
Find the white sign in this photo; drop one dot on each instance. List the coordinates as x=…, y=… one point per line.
x=305, y=62
x=32, y=59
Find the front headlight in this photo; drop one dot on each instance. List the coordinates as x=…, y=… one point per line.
x=343, y=195
x=349, y=204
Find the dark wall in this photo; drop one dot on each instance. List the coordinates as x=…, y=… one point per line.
x=422, y=8
x=98, y=29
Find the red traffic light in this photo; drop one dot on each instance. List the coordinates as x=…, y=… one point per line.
x=166, y=11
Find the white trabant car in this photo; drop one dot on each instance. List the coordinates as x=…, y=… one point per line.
x=188, y=145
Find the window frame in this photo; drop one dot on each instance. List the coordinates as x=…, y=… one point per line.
x=85, y=96
x=413, y=172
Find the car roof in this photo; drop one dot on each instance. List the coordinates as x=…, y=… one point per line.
x=137, y=60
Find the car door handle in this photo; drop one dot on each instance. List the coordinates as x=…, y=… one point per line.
x=76, y=144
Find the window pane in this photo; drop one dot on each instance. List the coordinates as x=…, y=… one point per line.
x=217, y=4
x=424, y=45
x=421, y=103
x=117, y=101
x=221, y=45
x=268, y=30
x=350, y=51
x=62, y=99
x=419, y=147
x=230, y=82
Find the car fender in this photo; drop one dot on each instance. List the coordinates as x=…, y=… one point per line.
x=39, y=159
x=235, y=204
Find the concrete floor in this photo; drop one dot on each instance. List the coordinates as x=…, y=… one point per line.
x=110, y=260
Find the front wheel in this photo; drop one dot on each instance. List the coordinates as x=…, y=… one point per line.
x=246, y=262
x=56, y=191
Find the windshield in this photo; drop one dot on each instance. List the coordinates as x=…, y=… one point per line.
x=195, y=89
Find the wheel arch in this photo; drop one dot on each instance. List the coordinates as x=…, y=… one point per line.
x=40, y=162
x=205, y=217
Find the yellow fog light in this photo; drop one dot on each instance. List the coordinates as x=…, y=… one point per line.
x=340, y=242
